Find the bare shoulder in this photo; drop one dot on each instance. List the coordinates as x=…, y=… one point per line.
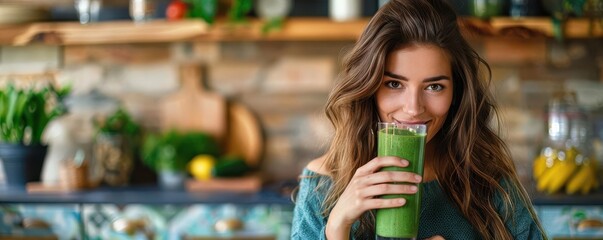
x=318, y=166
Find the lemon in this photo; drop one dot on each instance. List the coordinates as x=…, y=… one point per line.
x=201, y=166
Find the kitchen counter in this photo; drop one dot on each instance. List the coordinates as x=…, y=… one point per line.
x=541, y=199
x=149, y=195
x=274, y=194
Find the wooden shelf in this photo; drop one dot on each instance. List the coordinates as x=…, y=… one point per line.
x=74, y=33
x=294, y=29
x=532, y=27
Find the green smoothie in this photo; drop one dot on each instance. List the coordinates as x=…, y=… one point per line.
x=401, y=222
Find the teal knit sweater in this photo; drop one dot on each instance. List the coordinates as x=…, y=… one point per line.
x=438, y=215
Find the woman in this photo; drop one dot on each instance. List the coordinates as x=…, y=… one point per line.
x=411, y=64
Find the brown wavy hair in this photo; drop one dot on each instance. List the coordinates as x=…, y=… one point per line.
x=474, y=162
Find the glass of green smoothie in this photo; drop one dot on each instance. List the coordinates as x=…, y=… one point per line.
x=406, y=141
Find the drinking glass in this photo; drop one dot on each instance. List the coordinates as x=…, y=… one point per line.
x=406, y=141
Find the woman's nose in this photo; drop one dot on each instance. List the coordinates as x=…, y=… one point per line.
x=413, y=104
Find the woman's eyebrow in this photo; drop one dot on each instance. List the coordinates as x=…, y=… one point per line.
x=396, y=76
x=436, y=78
x=403, y=78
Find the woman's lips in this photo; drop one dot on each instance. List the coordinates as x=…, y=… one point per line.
x=411, y=122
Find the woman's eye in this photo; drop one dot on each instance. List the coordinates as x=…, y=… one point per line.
x=393, y=84
x=435, y=87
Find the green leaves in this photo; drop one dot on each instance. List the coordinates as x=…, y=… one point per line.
x=24, y=113
x=119, y=122
x=239, y=9
x=560, y=11
x=272, y=25
x=173, y=150
x=575, y=6
x=207, y=10
x=204, y=9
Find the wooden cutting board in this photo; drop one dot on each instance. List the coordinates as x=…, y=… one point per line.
x=245, y=139
x=193, y=108
x=244, y=134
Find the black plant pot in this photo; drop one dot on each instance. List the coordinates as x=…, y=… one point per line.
x=22, y=164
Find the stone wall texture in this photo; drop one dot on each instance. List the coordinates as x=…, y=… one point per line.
x=285, y=84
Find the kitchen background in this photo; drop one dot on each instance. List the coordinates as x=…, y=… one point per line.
x=285, y=85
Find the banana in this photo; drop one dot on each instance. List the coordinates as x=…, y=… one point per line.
x=595, y=169
x=585, y=188
x=539, y=166
x=565, y=172
x=545, y=179
x=582, y=176
x=549, y=171
x=571, y=154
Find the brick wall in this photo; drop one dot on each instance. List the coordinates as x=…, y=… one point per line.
x=286, y=84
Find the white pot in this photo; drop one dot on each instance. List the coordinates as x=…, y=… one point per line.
x=345, y=10
x=171, y=179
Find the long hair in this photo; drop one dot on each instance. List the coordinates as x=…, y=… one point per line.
x=474, y=162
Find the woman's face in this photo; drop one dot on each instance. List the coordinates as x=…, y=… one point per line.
x=416, y=87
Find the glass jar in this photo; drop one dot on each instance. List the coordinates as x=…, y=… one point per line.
x=142, y=10
x=566, y=163
x=88, y=10
x=114, y=154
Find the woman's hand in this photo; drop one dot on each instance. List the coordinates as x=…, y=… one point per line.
x=362, y=190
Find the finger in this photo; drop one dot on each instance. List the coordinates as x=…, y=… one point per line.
x=375, y=203
x=380, y=162
x=391, y=176
x=436, y=237
x=381, y=189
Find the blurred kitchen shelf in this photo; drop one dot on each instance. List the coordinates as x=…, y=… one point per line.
x=560, y=199
x=294, y=29
x=592, y=199
x=47, y=3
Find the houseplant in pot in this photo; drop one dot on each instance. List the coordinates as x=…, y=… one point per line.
x=114, y=146
x=24, y=114
x=169, y=153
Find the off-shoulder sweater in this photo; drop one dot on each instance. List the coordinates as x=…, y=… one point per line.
x=439, y=216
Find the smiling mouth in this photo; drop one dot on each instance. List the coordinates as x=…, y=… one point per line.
x=412, y=122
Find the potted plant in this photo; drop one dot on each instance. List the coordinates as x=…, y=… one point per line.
x=114, y=146
x=24, y=114
x=169, y=153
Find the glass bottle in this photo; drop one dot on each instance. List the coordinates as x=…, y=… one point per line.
x=562, y=110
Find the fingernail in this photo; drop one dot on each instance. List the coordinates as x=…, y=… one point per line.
x=418, y=177
x=413, y=188
x=402, y=200
x=404, y=162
